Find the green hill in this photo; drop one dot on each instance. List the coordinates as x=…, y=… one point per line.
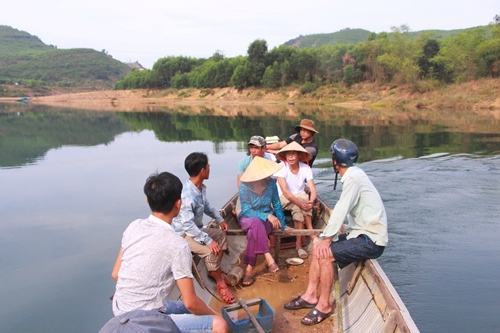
x=353, y=36
x=26, y=61
x=344, y=36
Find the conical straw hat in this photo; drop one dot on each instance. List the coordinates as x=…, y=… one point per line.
x=294, y=146
x=259, y=168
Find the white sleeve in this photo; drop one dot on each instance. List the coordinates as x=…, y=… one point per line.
x=181, y=267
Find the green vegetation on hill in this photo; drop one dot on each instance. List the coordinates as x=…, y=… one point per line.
x=25, y=60
x=353, y=36
x=344, y=36
x=422, y=60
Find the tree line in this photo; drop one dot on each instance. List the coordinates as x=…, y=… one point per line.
x=395, y=57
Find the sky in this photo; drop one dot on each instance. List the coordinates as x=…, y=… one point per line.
x=147, y=30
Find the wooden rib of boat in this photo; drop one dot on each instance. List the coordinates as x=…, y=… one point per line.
x=368, y=301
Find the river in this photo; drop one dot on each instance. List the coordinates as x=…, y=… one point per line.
x=71, y=181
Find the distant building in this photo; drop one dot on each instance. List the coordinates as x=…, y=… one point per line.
x=135, y=65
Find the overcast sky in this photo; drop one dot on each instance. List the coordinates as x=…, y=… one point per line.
x=149, y=29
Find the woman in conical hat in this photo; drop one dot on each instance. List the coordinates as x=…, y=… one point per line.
x=261, y=212
x=291, y=180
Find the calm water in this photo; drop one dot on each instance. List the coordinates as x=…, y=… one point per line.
x=72, y=181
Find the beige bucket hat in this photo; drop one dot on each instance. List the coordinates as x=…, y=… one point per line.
x=260, y=168
x=304, y=155
x=307, y=124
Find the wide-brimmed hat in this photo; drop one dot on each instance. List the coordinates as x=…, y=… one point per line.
x=272, y=139
x=259, y=168
x=307, y=124
x=257, y=140
x=304, y=155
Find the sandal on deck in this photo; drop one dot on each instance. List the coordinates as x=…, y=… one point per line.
x=225, y=293
x=298, y=303
x=315, y=317
x=273, y=268
x=248, y=280
x=302, y=253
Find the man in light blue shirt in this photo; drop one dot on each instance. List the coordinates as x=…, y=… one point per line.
x=364, y=236
x=208, y=242
x=256, y=147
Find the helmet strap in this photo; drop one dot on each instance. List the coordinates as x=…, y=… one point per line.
x=335, y=183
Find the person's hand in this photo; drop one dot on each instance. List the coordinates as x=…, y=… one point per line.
x=223, y=225
x=322, y=248
x=274, y=221
x=214, y=247
x=305, y=205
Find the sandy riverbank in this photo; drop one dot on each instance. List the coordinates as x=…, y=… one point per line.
x=478, y=96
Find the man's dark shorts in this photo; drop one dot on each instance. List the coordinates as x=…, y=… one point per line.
x=346, y=251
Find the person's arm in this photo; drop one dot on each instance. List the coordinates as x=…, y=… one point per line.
x=347, y=200
x=191, y=301
x=289, y=195
x=182, y=273
x=276, y=146
x=185, y=223
x=312, y=188
x=276, y=202
x=117, y=265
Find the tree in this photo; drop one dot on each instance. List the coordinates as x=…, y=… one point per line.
x=241, y=76
x=272, y=76
x=257, y=51
x=430, y=49
x=165, y=68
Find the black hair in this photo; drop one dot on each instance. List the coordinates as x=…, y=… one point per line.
x=194, y=162
x=162, y=191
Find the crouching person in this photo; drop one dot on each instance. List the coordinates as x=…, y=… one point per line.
x=153, y=259
x=365, y=238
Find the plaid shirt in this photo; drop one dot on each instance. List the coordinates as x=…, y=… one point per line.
x=190, y=219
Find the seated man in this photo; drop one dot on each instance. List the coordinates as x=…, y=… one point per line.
x=304, y=137
x=256, y=147
x=206, y=242
x=292, y=180
x=153, y=258
x=366, y=235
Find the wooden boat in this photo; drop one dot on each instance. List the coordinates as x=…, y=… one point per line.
x=366, y=300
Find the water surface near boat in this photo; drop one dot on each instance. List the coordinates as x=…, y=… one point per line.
x=72, y=181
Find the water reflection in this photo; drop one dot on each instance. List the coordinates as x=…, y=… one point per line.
x=71, y=181
x=27, y=133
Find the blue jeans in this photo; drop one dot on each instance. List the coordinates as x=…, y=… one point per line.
x=346, y=251
x=185, y=320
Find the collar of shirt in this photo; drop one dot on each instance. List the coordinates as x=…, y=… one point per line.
x=193, y=187
x=153, y=219
x=347, y=172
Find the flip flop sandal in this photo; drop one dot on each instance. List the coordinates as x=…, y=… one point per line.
x=273, y=268
x=298, y=303
x=248, y=280
x=302, y=253
x=315, y=317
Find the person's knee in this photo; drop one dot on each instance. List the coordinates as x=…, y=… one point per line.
x=219, y=325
